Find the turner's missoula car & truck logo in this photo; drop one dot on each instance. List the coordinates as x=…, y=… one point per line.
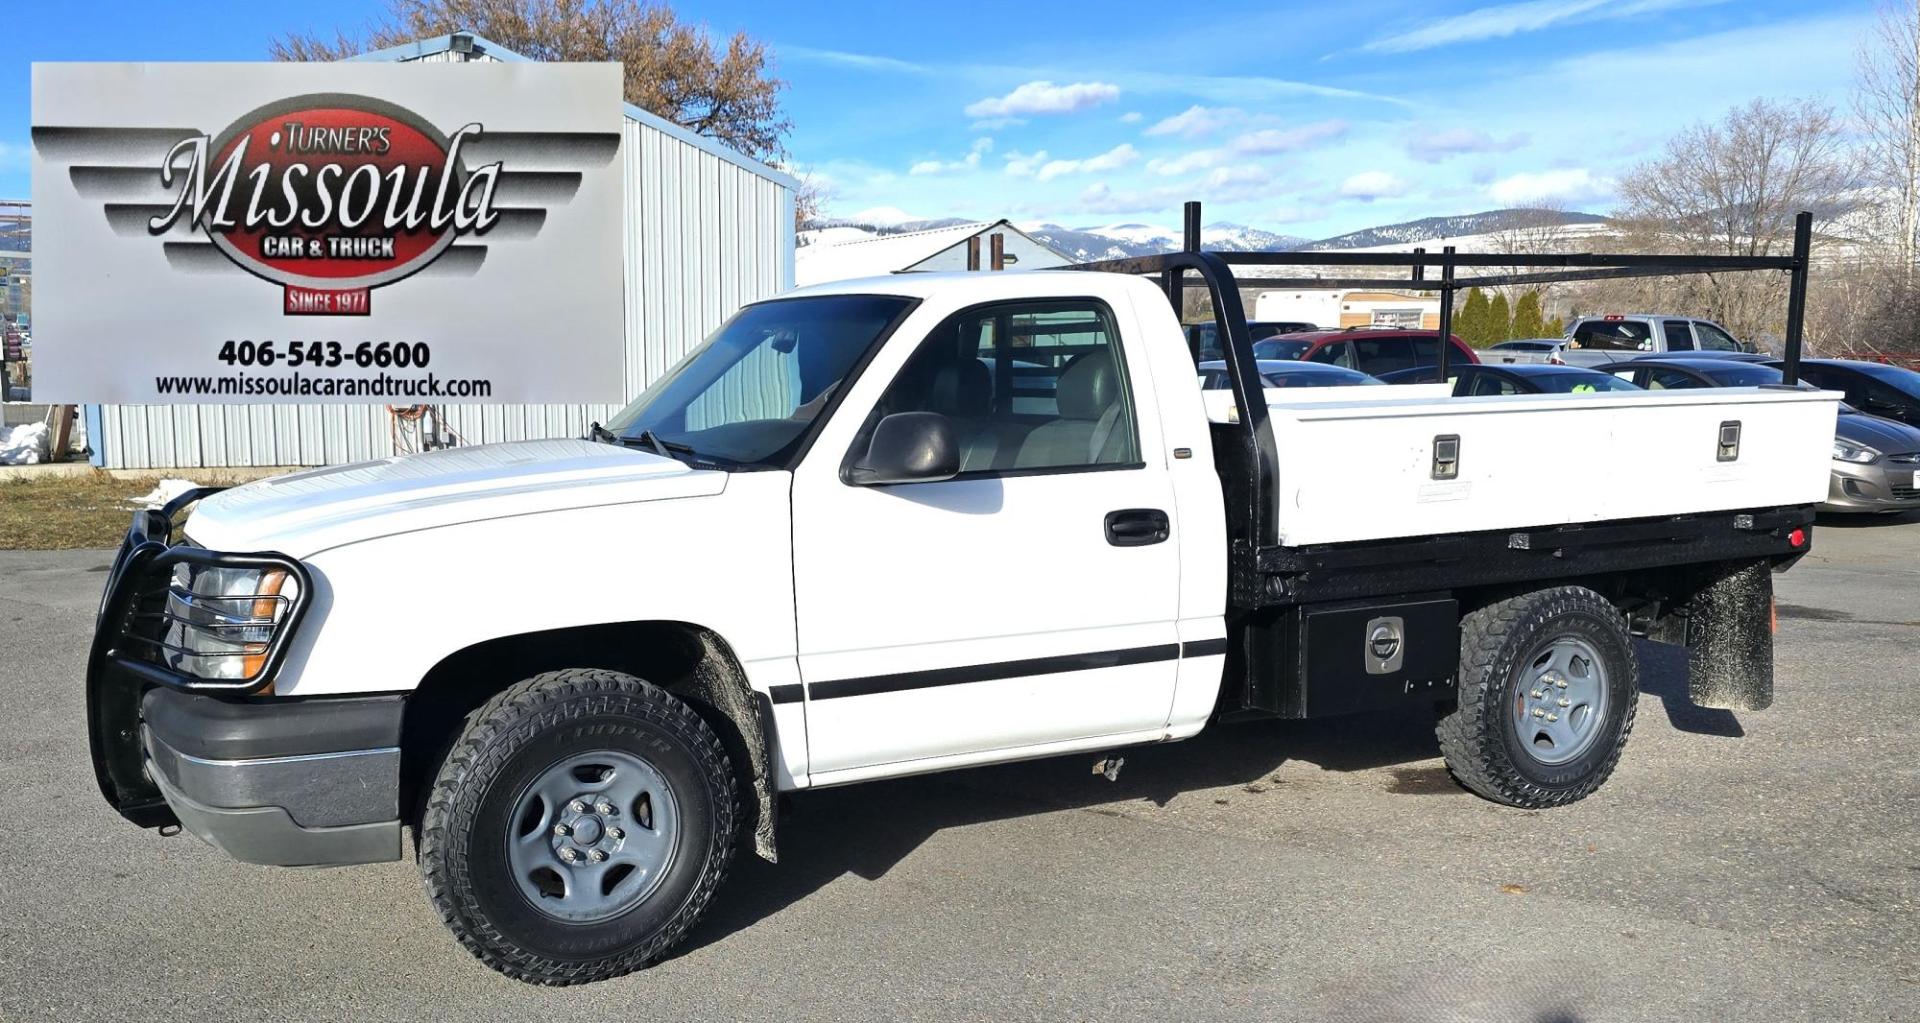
x=330, y=196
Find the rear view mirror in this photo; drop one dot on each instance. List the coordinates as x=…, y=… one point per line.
x=908, y=447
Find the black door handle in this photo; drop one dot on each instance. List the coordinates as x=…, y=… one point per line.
x=1137, y=527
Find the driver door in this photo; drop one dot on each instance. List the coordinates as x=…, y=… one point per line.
x=996, y=610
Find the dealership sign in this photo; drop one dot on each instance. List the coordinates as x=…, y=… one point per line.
x=350, y=232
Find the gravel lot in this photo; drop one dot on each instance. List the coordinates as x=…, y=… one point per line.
x=1751, y=865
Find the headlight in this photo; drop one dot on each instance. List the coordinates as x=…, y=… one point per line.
x=1845, y=452
x=220, y=621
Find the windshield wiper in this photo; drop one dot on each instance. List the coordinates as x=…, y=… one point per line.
x=600, y=433
x=660, y=447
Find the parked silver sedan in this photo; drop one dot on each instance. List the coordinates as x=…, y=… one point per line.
x=1527, y=350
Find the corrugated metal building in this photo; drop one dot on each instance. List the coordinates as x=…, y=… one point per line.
x=708, y=230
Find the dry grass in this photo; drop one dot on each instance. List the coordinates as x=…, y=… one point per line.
x=65, y=512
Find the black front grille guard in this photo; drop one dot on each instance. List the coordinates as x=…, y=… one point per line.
x=120, y=669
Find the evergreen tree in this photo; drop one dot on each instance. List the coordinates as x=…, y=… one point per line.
x=1526, y=317
x=1555, y=328
x=1471, y=321
x=1499, y=321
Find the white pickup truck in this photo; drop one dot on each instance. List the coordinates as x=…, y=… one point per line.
x=900, y=525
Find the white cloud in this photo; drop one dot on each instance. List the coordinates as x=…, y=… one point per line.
x=1024, y=165
x=1196, y=121
x=1573, y=184
x=1198, y=159
x=1502, y=20
x=1284, y=140
x=1101, y=198
x=1113, y=159
x=1130, y=117
x=981, y=147
x=1045, y=98
x=1370, y=185
x=1296, y=213
x=862, y=61
x=1435, y=146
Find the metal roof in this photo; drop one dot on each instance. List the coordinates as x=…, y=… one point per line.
x=891, y=253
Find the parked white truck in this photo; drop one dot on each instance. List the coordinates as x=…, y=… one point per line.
x=900, y=525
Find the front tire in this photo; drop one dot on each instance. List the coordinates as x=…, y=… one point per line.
x=1547, y=690
x=579, y=827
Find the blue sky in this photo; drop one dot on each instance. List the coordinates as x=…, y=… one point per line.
x=1307, y=118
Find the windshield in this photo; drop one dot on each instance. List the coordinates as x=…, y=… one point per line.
x=1579, y=383
x=1899, y=378
x=1276, y=348
x=1744, y=375
x=747, y=395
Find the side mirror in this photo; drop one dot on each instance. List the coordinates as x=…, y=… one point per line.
x=908, y=447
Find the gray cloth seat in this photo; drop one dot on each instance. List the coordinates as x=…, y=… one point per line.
x=963, y=392
x=1088, y=430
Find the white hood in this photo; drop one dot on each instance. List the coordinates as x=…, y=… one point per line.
x=307, y=512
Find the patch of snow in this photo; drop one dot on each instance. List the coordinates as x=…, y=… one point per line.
x=163, y=491
x=26, y=444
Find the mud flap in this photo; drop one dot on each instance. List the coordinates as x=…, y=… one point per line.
x=1730, y=638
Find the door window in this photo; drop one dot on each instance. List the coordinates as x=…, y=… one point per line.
x=1713, y=339
x=1377, y=355
x=1339, y=353
x=1669, y=380
x=1679, y=338
x=1491, y=383
x=1028, y=387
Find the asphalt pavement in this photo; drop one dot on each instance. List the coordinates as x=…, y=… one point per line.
x=1738, y=866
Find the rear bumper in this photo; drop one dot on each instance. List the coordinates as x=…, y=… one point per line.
x=276, y=781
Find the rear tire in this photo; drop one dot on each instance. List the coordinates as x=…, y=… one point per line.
x=579, y=827
x=1547, y=687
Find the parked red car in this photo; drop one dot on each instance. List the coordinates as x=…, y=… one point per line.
x=1369, y=350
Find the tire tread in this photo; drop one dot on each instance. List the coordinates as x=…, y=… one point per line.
x=524, y=709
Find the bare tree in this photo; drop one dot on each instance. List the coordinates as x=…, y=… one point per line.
x=1732, y=187
x=1538, y=230
x=809, y=200
x=672, y=68
x=1886, y=101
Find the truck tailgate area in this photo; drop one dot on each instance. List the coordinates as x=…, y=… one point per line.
x=1423, y=465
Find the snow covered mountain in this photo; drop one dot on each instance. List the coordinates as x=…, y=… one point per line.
x=1117, y=241
x=1432, y=228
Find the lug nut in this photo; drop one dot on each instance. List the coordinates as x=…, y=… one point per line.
x=616, y=834
x=1553, y=717
x=605, y=808
x=577, y=806
x=562, y=829
x=596, y=856
x=569, y=855
x=1536, y=694
x=1561, y=682
x=1564, y=702
x=1537, y=712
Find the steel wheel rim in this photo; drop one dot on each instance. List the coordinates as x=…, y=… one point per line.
x=1559, y=701
x=592, y=835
